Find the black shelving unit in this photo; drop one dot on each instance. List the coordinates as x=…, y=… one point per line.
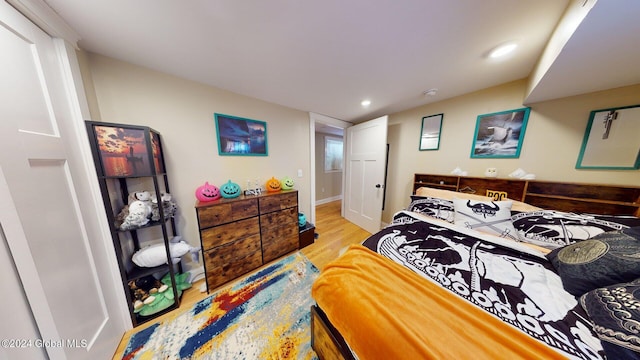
x=125, y=155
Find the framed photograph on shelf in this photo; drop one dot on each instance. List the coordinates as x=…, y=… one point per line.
x=122, y=150
x=156, y=147
x=430, y=132
x=241, y=137
x=500, y=134
x=611, y=140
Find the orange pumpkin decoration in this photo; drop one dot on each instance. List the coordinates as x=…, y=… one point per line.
x=273, y=185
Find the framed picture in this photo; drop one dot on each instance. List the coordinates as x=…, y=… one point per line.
x=430, y=132
x=500, y=135
x=612, y=140
x=122, y=150
x=156, y=147
x=243, y=137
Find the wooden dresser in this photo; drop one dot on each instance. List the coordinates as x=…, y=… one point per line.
x=241, y=234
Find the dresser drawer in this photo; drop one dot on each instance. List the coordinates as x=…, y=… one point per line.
x=226, y=212
x=224, y=234
x=274, y=233
x=274, y=249
x=228, y=253
x=219, y=272
x=278, y=202
x=279, y=218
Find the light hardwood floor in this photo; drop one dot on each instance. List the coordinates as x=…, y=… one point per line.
x=334, y=233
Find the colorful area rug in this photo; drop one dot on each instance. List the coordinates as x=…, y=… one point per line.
x=263, y=316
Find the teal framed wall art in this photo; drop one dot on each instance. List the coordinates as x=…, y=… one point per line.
x=500, y=134
x=611, y=140
x=241, y=137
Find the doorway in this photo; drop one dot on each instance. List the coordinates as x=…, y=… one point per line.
x=327, y=180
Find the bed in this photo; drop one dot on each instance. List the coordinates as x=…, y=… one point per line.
x=464, y=276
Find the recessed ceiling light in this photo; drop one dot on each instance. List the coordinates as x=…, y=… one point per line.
x=365, y=103
x=502, y=50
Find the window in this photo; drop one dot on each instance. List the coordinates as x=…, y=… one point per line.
x=332, y=154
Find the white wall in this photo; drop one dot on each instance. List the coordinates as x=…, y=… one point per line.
x=183, y=112
x=550, y=147
x=328, y=184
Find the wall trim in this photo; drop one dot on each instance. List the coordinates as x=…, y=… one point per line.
x=328, y=200
x=41, y=14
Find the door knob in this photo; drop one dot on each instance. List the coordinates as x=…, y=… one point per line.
x=378, y=186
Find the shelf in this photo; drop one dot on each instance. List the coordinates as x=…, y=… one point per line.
x=130, y=177
x=573, y=204
x=444, y=186
x=140, y=319
x=139, y=167
x=568, y=197
x=148, y=225
x=607, y=202
x=138, y=272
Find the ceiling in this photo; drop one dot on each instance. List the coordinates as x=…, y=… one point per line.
x=327, y=56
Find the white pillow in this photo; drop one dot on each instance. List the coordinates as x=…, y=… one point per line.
x=155, y=255
x=493, y=217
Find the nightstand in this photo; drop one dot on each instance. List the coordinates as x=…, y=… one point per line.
x=307, y=235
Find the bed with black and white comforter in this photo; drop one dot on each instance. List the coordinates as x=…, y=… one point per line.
x=510, y=280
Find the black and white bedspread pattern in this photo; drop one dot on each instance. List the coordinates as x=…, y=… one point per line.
x=554, y=229
x=519, y=288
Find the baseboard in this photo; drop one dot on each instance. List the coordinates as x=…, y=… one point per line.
x=328, y=200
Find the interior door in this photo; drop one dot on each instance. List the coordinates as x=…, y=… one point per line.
x=48, y=215
x=364, y=173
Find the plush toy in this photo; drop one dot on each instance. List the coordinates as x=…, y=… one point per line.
x=156, y=255
x=144, y=196
x=137, y=216
x=169, y=207
x=136, y=213
x=148, y=301
x=142, y=289
x=230, y=190
x=287, y=183
x=207, y=192
x=273, y=185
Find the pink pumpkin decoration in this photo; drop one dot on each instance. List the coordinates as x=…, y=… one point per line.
x=207, y=192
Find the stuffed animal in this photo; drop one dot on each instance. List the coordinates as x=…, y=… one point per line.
x=169, y=207
x=161, y=296
x=142, y=289
x=138, y=215
x=137, y=212
x=156, y=255
x=139, y=195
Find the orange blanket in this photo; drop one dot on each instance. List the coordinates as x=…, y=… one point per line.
x=386, y=311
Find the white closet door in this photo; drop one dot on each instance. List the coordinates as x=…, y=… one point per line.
x=49, y=218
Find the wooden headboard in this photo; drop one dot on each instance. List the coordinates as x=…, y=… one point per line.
x=570, y=197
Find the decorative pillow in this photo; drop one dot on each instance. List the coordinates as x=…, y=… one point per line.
x=553, y=229
x=615, y=313
x=492, y=217
x=431, y=206
x=607, y=259
x=155, y=255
